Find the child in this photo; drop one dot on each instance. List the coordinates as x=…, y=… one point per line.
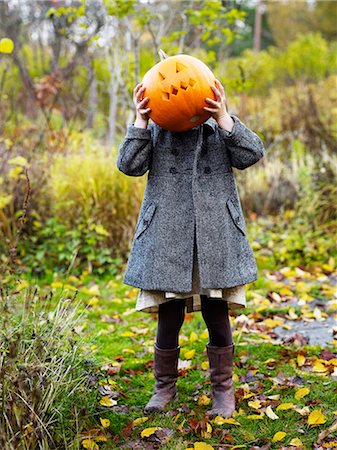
x=190, y=248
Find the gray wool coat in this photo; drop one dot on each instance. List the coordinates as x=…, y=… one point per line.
x=190, y=193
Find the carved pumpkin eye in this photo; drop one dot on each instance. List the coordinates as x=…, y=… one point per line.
x=177, y=88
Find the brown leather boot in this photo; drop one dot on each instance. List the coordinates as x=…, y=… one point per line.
x=166, y=375
x=221, y=371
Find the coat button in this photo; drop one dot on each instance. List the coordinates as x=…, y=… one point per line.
x=208, y=170
x=173, y=170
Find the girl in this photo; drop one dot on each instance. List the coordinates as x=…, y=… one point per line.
x=190, y=248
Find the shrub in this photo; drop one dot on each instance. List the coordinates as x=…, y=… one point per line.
x=42, y=375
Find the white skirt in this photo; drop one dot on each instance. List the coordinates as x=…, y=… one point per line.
x=149, y=301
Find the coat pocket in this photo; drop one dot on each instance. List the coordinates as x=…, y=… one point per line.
x=145, y=220
x=236, y=216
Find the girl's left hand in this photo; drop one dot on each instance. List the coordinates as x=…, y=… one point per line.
x=217, y=107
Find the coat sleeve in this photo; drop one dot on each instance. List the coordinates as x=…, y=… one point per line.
x=244, y=146
x=135, y=151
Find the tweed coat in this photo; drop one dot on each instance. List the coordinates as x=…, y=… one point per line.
x=190, y=191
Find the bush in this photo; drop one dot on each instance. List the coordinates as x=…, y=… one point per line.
x=43, y=389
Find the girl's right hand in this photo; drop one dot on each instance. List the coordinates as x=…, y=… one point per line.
x=140, y=103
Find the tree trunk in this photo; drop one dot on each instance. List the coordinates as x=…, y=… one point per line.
x=92, y=101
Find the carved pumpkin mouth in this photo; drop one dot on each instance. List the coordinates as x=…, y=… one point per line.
x=177, y=88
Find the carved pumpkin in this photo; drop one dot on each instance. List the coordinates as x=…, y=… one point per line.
x=177, y=88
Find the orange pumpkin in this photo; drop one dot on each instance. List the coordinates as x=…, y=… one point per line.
x=177, y=88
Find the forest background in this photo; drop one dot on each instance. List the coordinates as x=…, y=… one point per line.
x=66, y=99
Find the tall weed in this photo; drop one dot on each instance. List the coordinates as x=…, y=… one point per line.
x=43, y=388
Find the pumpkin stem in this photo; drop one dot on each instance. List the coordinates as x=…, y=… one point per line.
x=162, y=55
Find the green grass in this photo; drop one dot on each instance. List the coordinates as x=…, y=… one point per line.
x=117, y=350
x=135, y=379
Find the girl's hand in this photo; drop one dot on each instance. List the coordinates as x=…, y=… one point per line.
x=140, y=103
x=217, y=107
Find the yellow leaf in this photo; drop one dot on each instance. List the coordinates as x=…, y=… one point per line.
x=316, y=417
x=248, y=395
x=19, y=161
x=255, y=416
x=180, y=426
x=205, y=434
x=193, y=336
x=319, y=367
x=22, y=285
x=332, y=262
x=15, y=172
x=5, y=200
x=101, y=438
x=271, y=323
x=204, y=400
x=302, y=393
x=6, y=45
x=256, y=404
x=202, y=446
x=107, y=401
x=204, y=365
x=285, y=406
x=220, y=421
x=286, y=291
x=100, y=230
x=296, y=442
x=148, y=431
x=204, y=335
x=90, y=444
x=139, y=421
x=128, y=350
x=287, y=272
x=270, y=413
x=105, y=422
x=300, y=360
x=279, y=436
x=270, y=360
x=127, y=334
x=189, y=354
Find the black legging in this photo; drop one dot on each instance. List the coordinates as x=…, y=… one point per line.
x=214, y=312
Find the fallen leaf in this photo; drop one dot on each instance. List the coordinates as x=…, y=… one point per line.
x=285, y=406
x=296, y=442
x=219, y=420
x=148, y=431
x=139, y=421
x=203, y=400
x=202, y=446
x=107, y=401
x=270, y=413
x=105, y=422
x=302, y=393
x=279, y=436
x=89, y=444
x=316, y=417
